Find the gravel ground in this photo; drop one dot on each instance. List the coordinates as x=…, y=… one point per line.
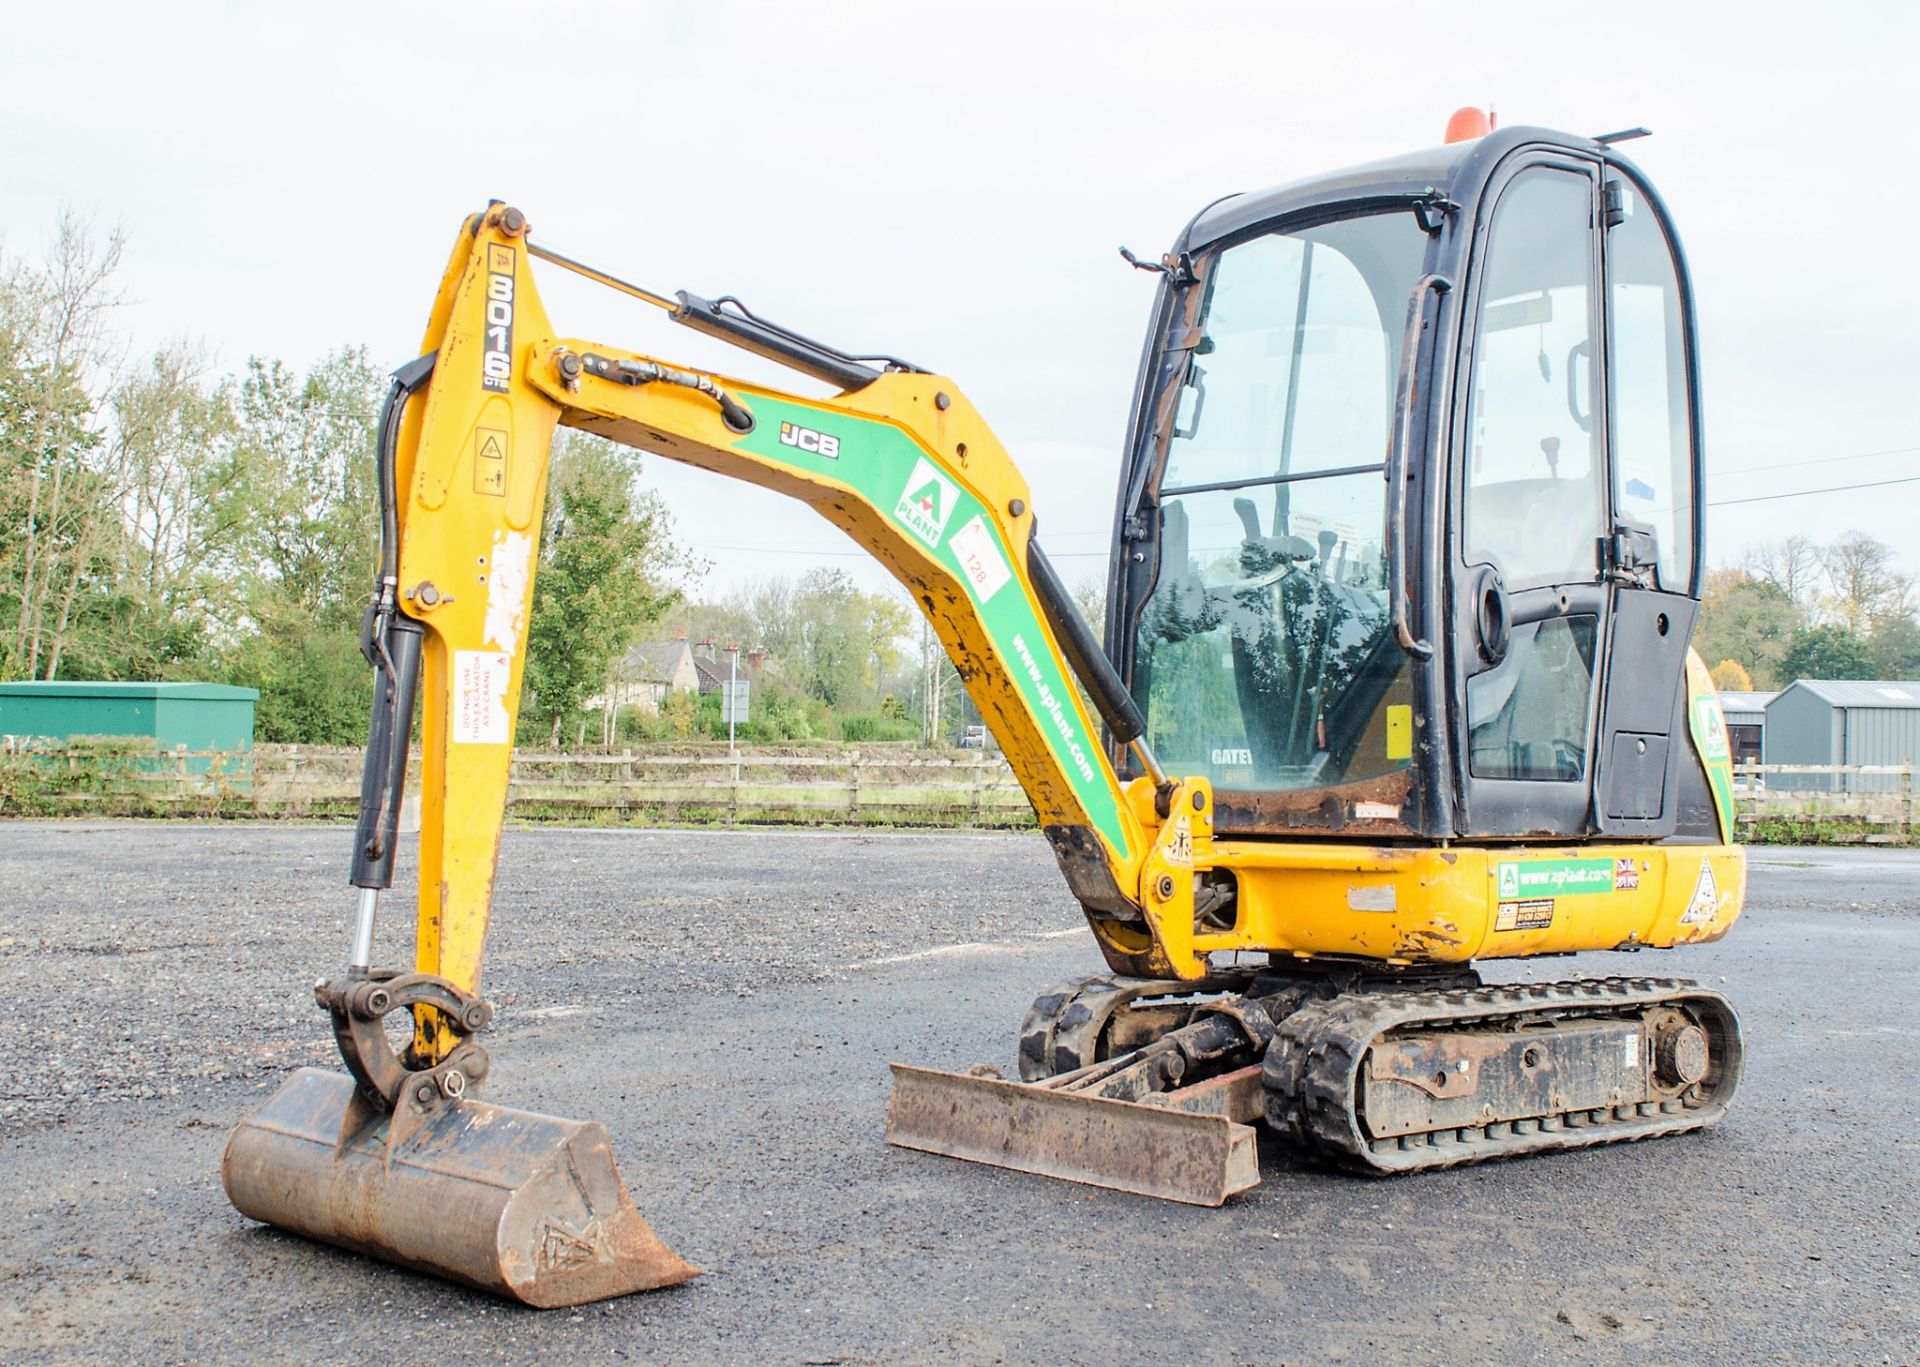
x=727, y=1003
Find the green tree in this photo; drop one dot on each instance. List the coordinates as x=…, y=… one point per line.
x=299, y=496
x=1827, y=652
x=844, y=644
x=297, y=533
x=1895, y=645
x=1749, y=621
x=606, y=553
x=169, y=456
x=315, y=688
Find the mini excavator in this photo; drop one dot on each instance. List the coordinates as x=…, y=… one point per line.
x=1396, y=677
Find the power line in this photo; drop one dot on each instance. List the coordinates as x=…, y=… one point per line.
x=1802, y=493
x=1815, y=460
x=862, y=555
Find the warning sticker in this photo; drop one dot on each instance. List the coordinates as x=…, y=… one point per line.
x=490, y=461
x=1536, y=914
x=1626, y=875
x=981, y=561
x=1180, y=846
x=1706, y=899
x=480, y=679
x=1399, y=731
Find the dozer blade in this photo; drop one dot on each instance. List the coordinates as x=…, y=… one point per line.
x=1189, y=1150
x=526, y=1206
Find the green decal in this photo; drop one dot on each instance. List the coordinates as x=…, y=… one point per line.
x=1552, y=877
x=927, y=502
x=1708, y=725
x=888, y=469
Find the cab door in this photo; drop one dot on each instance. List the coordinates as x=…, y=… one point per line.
x=1532, y=509
x=1650, y=554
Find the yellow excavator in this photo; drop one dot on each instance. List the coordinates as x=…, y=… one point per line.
x=1396, y=677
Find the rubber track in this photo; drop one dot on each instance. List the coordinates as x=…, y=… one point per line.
x=1312, y=1071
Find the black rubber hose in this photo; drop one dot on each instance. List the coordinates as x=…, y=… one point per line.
x=1090, y=663
x=386, y=449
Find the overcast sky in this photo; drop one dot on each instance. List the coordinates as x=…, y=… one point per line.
x=948, y=182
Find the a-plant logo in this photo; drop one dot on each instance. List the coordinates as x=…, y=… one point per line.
x=1509, y=880
x=927, y=502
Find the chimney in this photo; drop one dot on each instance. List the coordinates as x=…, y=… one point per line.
x=706, y=647
x=756, y=657
x=679, y=635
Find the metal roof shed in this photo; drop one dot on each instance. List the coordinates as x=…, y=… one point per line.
x=1843, y=721
x=1746, y=715
x=196, y=716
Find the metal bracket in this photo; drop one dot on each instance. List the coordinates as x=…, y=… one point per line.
x=1431, y=208
x=359, y=1008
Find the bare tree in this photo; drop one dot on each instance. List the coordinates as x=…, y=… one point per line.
x=63, y=352
x=1866, y=588
x=1791, y=565
x=939, y=685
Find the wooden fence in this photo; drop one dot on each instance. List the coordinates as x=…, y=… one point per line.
x=892, y=785
x=1826, y=803
x=884, y=785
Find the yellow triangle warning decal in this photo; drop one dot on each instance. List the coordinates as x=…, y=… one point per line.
x=1706, y=898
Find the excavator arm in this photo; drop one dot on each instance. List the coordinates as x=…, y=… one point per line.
x=900, y=461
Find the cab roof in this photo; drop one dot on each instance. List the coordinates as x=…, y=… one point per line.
x=1461, y=169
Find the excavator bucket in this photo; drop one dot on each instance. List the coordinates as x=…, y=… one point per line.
x=526, y=1206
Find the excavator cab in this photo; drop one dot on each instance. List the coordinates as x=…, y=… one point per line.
x=1411, y=469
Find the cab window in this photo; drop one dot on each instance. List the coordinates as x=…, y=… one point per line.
x=1535, y=501
x=1652, y=440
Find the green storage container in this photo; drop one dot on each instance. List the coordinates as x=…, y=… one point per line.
x=194, y=716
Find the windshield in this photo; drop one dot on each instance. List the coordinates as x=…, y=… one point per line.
x=1263, y=658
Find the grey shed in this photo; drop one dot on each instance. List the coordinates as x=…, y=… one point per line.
x=1746, y=715
x=1843, y=721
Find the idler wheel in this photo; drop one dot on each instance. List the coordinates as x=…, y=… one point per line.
x=1680, y=1055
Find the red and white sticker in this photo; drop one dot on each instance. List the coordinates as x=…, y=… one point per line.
x=480, y=680
x=981, y=561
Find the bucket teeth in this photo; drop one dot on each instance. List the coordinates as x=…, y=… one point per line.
x=526, y=1206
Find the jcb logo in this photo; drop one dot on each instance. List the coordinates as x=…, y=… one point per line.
x=820, y=443
x=496, y=363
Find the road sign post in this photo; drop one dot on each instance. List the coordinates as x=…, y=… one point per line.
x=734, y=696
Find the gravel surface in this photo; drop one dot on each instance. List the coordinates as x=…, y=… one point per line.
x=726, y=1003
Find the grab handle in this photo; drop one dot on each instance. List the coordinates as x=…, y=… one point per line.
x=1405, y=403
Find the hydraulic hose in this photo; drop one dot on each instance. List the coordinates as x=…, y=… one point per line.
x=392, y=645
